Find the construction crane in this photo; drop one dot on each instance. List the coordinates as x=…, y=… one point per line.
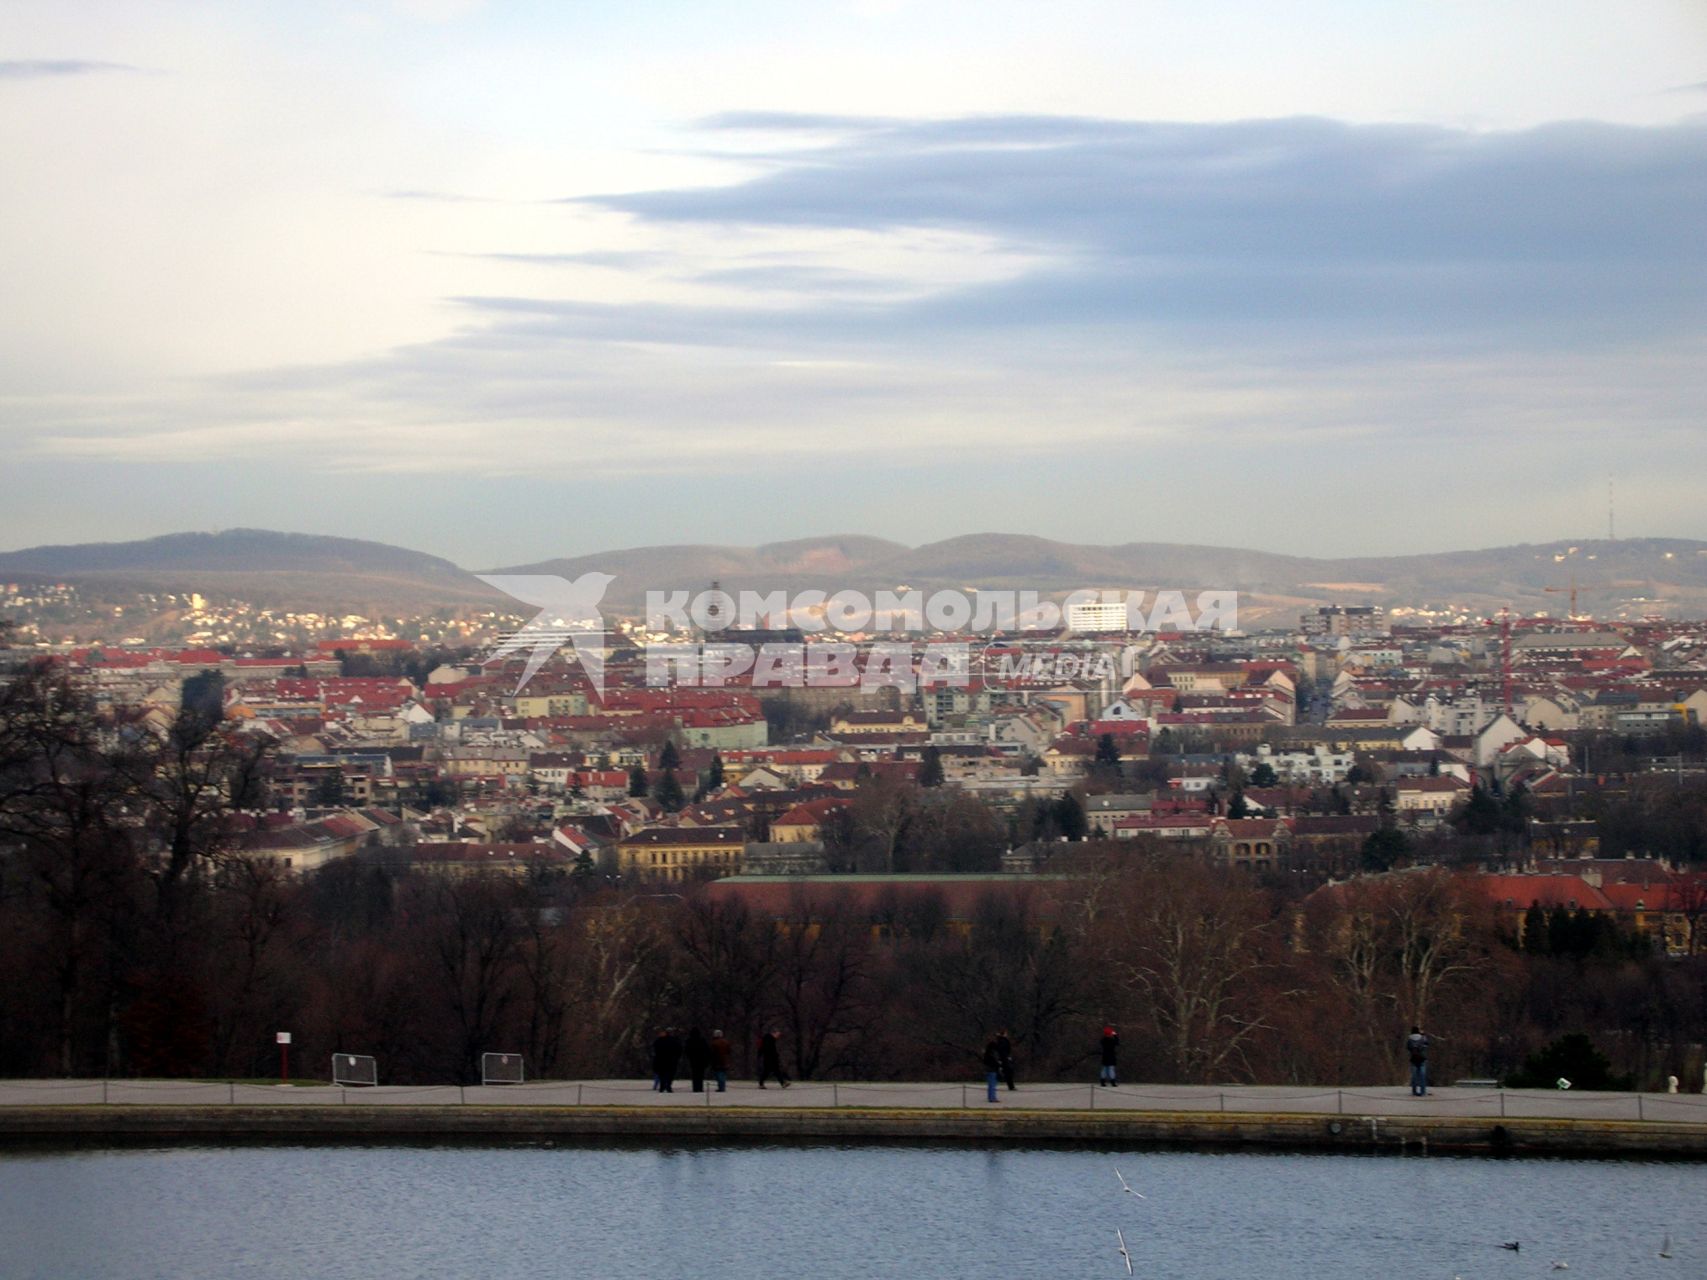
x=1569, y=591
x=1505, y=659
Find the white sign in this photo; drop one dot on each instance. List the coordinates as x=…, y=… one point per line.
x=284, y=1037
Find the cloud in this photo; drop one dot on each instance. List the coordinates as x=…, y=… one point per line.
x=1273, y=222
x=43, y=68
x=1021, y=289
x=442, y=197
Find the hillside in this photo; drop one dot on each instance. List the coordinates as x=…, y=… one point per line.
x=281, y=570
x=1614, y=579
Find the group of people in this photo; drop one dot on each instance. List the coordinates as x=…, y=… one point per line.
x=999, y=1061
x=709, y=1057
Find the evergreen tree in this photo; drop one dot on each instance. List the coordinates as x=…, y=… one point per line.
x=1236, y=807
x=1537, y=940
x=1069, y=817
x=1383, y=848
x=637, y=780
x=668, y=793
x=669, y=759
x=1108, y=752
x=1263, y=775
x=930, y=768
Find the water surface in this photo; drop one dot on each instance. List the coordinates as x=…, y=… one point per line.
x=831, y=1211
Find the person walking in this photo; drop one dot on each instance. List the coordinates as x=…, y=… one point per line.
x=770, y=1058
x=658, y=1059
x=992, y=1069
x=720, y=1051
x=1416, y=1048
x=666, y=1055
x=698, y=1052
x=1005, y=1051
x=1110, y=1058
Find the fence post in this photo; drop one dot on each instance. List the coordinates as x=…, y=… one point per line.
x=577, y=1095
x=231, y=1091
x=835, y=1095
x=962, y=1095
x=1502, y=1104
x=1093, y=1099
x=1223, y=1098
x=103, y=1093
x=1339, y=1102
x=1639, y=1114
x=462, y=1095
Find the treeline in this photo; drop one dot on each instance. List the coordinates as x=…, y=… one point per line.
x=1209, y=977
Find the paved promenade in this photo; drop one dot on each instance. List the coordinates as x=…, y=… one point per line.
x=1132, y=1100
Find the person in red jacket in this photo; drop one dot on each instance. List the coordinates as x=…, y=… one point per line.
x=720, y=1051
x=1110, y=1057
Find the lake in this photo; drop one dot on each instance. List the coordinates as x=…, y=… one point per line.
x=831, y=1211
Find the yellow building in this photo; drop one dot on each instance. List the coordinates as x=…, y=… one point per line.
x=681, y=853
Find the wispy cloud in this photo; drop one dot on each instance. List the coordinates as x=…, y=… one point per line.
x=44, y=68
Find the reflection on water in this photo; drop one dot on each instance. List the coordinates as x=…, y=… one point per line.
x=827, y=1211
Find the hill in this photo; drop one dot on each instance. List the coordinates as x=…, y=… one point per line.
x=1626, y=578
x=265, y=568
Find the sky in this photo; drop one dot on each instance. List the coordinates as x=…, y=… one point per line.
x=503, y=281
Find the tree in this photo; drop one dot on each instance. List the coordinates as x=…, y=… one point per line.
x=1108, y=754
x=637, y=784
x=669, y=759
x=823, y=982
x=1069, y=816
x=1572, y=1057
x=713, y=775
x=1196, y=947
x=1263, y=775
x=471, y=944
x=1392, y=947
x=1383, y=848
x=1236, y=807
x=930, y=768
x=668, y=792
x=329, y=791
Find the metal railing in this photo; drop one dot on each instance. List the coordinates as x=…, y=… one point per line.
x=1280, y=1100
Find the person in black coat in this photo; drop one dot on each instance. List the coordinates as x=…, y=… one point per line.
x=1110, y=1057
x=770, y=1058
x=666, y=1054
x=698, y=1051
x=1005, y=1052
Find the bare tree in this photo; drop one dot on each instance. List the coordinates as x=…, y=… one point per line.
x=1199, y=949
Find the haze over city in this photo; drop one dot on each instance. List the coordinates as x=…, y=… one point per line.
x=498, y=281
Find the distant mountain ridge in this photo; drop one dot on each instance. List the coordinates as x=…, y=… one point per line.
x=283, y=570
x=1629, y=575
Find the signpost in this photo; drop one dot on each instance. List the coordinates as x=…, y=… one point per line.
x=283, y=1038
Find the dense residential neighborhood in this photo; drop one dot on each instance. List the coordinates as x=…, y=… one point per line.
x=1541, y=781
